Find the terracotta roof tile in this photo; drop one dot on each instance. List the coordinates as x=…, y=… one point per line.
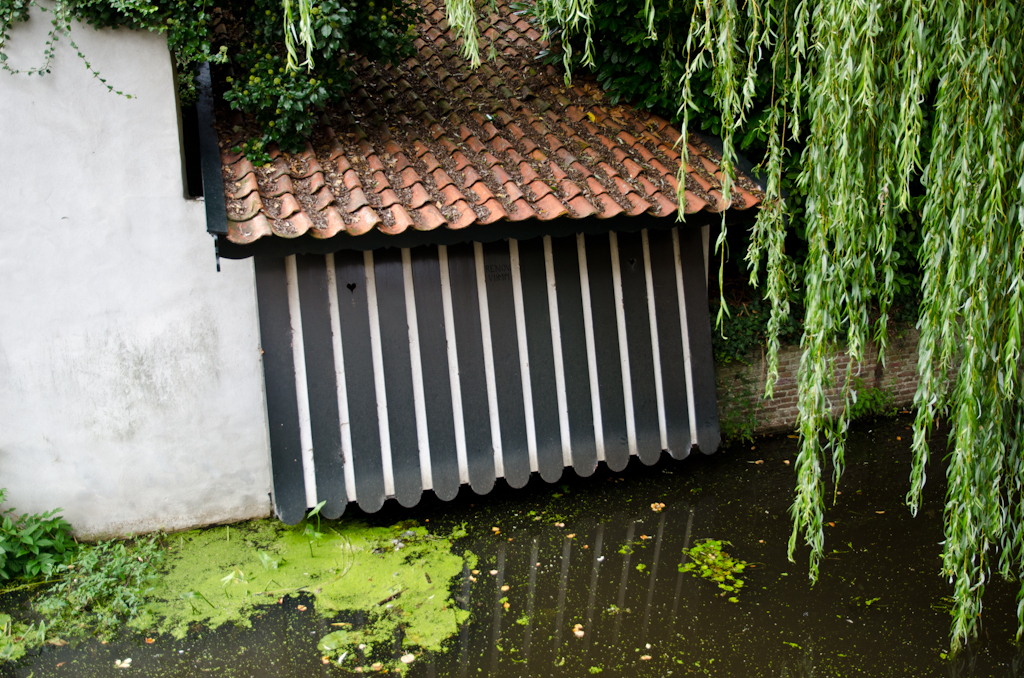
x=430, y=217
x=581, y=207
x=608, y=207
x=429, y=143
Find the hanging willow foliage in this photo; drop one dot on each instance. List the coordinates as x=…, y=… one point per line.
x=854, y=83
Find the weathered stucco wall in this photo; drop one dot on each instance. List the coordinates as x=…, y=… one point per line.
x=131, y=392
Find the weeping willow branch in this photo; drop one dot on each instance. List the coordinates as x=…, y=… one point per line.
x=893, y=107
x=300, y=32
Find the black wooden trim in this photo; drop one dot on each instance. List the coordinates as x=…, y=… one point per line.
x=500, y=230
x=209, y=151
x=437, y=393
x=472, y=377
x=542, y=359
x=367, y=464
x=641, y=353
x=698, y=326
x=670, y=343
x=606, y=348
x=279, y=381
x=395, y=356
x=508, y=376
x=565, y=254
x=321, y=384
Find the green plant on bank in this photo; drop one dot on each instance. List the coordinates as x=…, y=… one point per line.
x=103, y=588
x=871, y=401
x=708, y=560
x=314, y=535
x=33, y=544
x=739, y=414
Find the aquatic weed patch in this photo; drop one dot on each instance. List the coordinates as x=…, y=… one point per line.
x=16, y=637
x=395, y=578
x=708, y=560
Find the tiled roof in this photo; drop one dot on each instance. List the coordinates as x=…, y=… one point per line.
x=432, y=143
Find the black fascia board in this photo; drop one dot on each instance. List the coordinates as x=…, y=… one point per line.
x=274, y=246
x=209, y=155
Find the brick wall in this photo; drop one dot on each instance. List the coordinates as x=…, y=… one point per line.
x=741, y=408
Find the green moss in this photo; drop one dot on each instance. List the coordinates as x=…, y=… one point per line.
x=397, y=576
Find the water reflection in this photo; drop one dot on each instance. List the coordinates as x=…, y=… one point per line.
x=617, y=579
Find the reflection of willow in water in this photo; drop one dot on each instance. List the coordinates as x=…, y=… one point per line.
x=618, y=579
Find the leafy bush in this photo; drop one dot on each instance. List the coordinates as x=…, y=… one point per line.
x=104, y=587
x=634, y=68
x=249, y=37
x=286, y=103
x=32, y=544
x=869, y=401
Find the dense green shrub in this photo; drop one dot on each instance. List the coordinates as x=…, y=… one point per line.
x=635, y=68
x=286, y=102
x=32, y=544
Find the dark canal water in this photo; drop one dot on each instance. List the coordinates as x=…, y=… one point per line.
x=592, y=556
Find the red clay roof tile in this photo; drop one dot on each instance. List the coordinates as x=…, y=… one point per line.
x=581, y=207
x=469, y=147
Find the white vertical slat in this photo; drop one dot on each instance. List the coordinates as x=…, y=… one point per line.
x=301, y=392
x=687, y=358
x=453, y=365
x=620, y=321
x=524, y=356
x=377, y=356
x=419, y=400
x=556, y=345
x=339, y=375
x=659, y=386
x=489, y=378
x=588, y=330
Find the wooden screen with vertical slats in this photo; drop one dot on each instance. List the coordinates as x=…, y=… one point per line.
x=394, y=371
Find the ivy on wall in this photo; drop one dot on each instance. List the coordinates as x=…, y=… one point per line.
x=253, y=39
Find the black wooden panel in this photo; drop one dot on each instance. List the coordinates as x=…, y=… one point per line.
x=279, y=380
x=394, y=344
x=362, y=395
x=641, y=354
x=670, y=343
x=606, y=345
x=698, y=326
x=209, y=154
x=574, y=354
x=542, y=359
x=321, y=384
x=515, y=451
x=472, y=378
x=437, y=393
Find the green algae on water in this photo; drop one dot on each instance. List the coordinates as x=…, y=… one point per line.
x=708, y=560
x=396, y=578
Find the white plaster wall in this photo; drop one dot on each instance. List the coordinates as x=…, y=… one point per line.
x=131, y=390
